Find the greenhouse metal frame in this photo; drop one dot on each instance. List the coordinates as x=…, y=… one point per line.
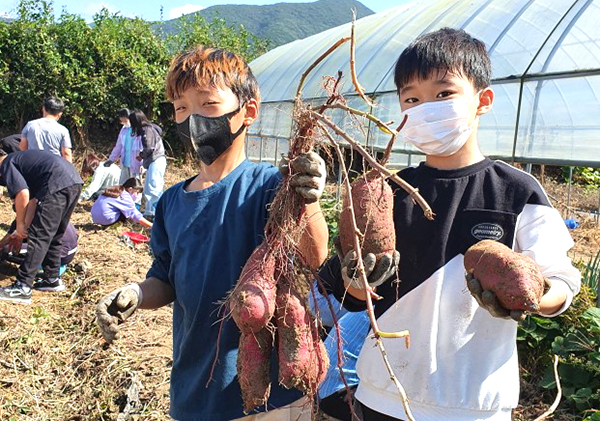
x=546, y=75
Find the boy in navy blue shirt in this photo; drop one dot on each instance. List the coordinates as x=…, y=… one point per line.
x=205, y=228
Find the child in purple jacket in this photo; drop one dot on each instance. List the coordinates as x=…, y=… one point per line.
x=117, y=203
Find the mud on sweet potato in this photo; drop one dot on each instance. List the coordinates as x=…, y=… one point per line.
x=252, y=302
x=514, y=278
x=253, y=367
x=373, y=201
x=303, y=360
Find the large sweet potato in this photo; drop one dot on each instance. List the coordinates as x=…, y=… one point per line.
x=303, y=360
x=253, y=367
x=252, y=302
x=373, y=202
x=513, y=277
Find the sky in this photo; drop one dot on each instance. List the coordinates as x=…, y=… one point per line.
x=151, y=9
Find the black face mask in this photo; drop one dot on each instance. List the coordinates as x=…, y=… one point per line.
x=211, y=136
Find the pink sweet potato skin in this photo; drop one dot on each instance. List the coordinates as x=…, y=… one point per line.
x=253, y=367
x=252, y=302
x=513, y=277
x=373, y=202
x=303, y=360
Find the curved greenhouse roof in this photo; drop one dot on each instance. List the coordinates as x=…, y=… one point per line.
x=546, y=75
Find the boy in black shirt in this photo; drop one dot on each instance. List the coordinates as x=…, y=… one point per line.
x=56, y=185
x=462, y=363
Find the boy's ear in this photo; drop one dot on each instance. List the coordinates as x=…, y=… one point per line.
x=251, y=111
x=485, y=101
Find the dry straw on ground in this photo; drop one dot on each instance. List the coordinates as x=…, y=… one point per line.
x=54, y=365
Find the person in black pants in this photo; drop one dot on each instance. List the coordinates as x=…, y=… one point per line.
x=56, y=185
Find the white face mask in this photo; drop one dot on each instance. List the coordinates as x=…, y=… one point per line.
x=439, y=127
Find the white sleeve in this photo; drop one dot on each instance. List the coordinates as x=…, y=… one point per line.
x=97, y=181
x=543, y=236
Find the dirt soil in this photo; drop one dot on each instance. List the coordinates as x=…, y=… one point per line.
x=55, y=366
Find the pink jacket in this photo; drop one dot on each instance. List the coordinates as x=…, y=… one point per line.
x=119, y=150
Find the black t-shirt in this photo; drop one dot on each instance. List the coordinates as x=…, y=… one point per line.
x=42, y=172
x=11, y=143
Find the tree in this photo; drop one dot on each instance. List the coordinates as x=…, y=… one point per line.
x=98, y=68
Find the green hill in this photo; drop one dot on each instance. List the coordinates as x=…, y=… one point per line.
x=282, y=22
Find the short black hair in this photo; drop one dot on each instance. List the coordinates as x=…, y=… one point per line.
x=446, y=50
x=134, y=183
x=123, y=113
x=54, y=105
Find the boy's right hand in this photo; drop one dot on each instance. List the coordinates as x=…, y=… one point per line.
x=376, y=271
x=116, y=307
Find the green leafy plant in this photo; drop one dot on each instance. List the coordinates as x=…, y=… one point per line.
x=37, y=315
x=331, y=207
x=586, y=176
x=590, y=274
x=575, y=337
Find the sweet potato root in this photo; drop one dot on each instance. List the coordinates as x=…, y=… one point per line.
x=252, y=302
x=513, y=277
x=253, y=367
x=373, y=202
x=303, y=360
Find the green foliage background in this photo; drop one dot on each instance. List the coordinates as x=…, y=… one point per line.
x=97, y=68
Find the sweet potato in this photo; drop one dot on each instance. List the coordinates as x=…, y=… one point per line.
x=252, y=302
x=513, y=277
x=373, y=202
x=253, y=367
x=303, y=360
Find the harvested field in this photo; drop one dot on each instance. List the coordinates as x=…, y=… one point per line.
x=55, y=366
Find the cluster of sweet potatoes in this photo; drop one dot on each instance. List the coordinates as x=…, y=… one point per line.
x=271, y=308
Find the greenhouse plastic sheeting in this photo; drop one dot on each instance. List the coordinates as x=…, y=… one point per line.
x=546, y=75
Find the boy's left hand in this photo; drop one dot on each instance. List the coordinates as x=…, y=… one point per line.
x=307, y=175
x=487, y=299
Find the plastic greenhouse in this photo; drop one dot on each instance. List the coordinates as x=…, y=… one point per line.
x=546, y=76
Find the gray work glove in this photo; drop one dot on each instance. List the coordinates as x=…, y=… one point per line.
x=108, y=163
x=116, y=307
x=487, y=299
x=308, y=175
x=377, y=272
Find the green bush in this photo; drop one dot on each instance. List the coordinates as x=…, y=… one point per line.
x=585, y=176
x=97, y=68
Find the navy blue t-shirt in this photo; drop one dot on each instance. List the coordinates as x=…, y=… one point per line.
x=201, y=240
x=41, y=172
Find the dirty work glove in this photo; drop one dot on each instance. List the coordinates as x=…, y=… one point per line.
x=377, y=272
x=108, y=163
x=308, y=175
x=487, y=299
x=116, y=307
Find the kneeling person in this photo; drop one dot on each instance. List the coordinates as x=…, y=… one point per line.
x=117, y=203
